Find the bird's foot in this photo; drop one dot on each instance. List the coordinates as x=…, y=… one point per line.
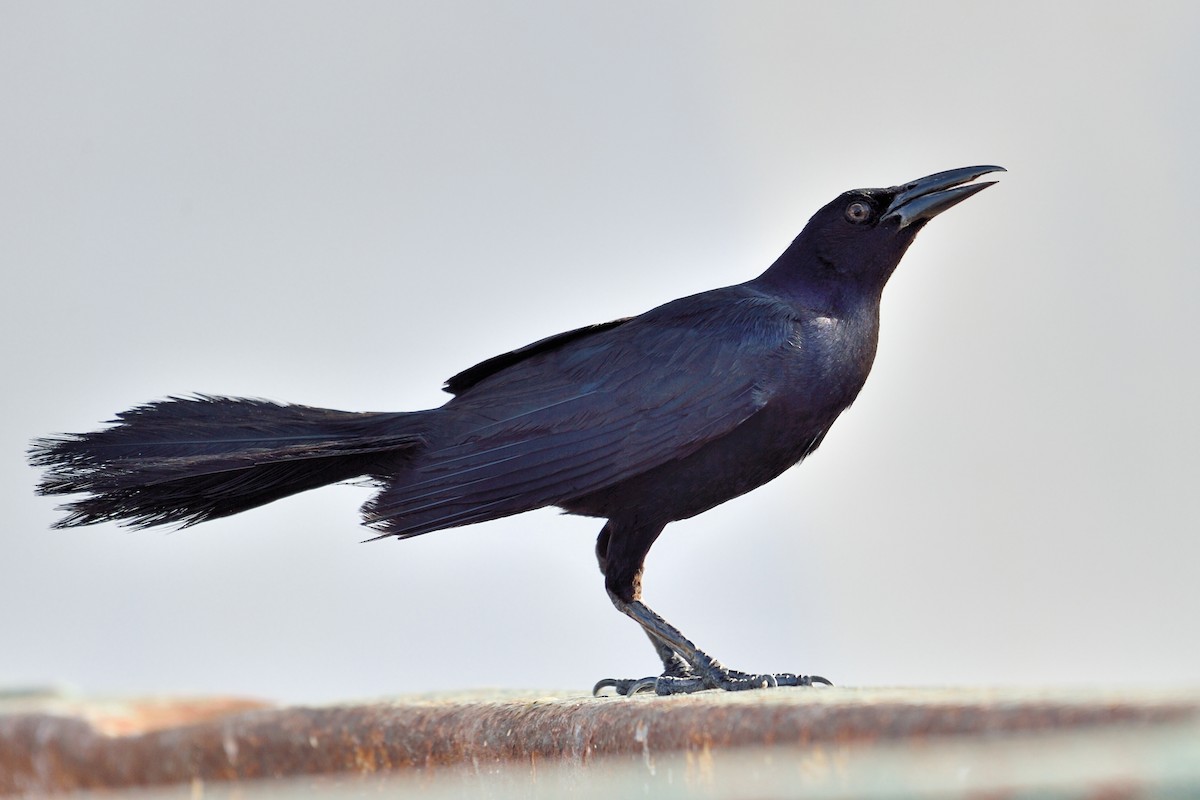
x=687, y=668
x=717, y=677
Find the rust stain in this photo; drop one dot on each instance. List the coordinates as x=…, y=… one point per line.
x=141, y=716
x=194, y=742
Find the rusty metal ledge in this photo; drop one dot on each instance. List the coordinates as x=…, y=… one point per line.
x=56, y=743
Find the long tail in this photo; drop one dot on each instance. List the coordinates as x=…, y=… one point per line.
x=187, y=460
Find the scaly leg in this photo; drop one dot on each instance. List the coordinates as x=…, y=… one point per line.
x=687, y=668
x=621, y=550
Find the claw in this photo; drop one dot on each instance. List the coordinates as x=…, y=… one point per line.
x=729, y=680
x=628, y=687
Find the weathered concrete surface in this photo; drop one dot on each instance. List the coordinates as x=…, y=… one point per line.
x=572, y=741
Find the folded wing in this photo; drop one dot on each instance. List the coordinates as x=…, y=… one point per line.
x=596, y=410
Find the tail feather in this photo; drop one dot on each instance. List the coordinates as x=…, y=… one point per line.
x=187, y=460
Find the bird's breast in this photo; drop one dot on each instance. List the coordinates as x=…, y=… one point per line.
x=828, y=360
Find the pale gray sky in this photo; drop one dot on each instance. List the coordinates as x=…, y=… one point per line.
x=343, y=205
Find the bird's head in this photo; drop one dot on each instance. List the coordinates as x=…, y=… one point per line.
x=860, y=237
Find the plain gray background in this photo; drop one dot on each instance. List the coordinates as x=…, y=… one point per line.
x=344, y=204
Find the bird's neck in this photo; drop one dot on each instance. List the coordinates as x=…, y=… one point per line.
x=804, y=277
x=834, y=296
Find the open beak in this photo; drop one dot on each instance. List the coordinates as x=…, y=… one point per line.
x=927, y=197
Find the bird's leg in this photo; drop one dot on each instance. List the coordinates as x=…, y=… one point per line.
x=687, y=668
x=673, y=663
x=621, y=551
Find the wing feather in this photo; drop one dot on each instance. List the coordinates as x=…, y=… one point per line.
x=596, y=411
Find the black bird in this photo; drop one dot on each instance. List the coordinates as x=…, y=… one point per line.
x=640, y=421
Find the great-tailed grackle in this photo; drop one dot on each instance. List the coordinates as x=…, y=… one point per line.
x=641, y=421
